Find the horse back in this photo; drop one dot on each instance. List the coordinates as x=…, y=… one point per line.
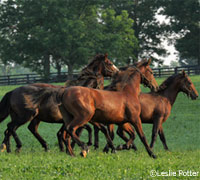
x=100, y=103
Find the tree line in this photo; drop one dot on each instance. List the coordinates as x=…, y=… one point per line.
x=51, y=33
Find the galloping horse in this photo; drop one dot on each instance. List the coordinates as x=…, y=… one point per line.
x=156, y=108
x=20, y=103
x=80, y=105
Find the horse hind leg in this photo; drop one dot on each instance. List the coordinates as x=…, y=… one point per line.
x=162, y=138
x=12, y=127
x=6, y=142
x=33, y=126
x=67, y=141
x=74, y=125
x=17, y=122
x=155, y=130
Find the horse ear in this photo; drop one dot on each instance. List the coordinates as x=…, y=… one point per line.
x=183, y=73
x=149, y=61
x=106, y=55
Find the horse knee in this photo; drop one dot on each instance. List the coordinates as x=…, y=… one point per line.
x=119, y=132
x=70, y=130
x=31, y=128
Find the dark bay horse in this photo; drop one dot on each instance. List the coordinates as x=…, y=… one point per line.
x=21, y=106
x=80, y=105
x=156, y=108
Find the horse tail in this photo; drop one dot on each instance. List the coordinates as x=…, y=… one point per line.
x=5, y=106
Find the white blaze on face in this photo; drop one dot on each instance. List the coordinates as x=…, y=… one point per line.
x=116, y=69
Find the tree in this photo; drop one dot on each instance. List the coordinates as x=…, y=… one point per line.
x=148, y=31
x=184, y=19
x=38, y=34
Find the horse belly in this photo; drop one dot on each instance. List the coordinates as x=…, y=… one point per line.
x=111, y=117
x=50, y=115
x=147, y=112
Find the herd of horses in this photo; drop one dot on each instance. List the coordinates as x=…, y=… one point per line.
x=87, y=100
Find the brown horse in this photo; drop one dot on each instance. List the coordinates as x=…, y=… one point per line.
x=80, y=105
x=20, y=103
x=156, y=108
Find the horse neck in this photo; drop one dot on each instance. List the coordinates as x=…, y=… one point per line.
x=133, y=86
x=96, y=82
x=94, y=69
x=171, y=93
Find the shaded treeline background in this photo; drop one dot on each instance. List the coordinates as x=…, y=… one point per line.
x=50, y=35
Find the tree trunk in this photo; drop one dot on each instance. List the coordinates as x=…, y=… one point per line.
x=134, y=16
x=46, y=68
x=58, y=67
x=70, y=71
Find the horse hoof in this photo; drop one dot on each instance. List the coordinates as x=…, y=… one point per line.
x=113, y=151
x=89, y=144
x=3, y=147
x=83, y=153
x=119, y=148
x=17, y=150
x=62, y=150
x=134, y=147
x=47, y=150
x=106, y=150
x=88, y=150
x=154, y=156
x=96, y=147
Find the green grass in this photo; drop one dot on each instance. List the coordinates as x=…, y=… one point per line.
x=182, y=131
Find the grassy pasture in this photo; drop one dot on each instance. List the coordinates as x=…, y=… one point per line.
x=182, y=131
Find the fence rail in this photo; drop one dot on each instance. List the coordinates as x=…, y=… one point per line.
x=168, y=71
x=21, y=79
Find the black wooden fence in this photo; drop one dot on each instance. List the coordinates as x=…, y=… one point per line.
x=34, y=78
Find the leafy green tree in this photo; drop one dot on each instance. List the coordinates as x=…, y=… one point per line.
x=148, y=30
x=38, y=34
x=184, y=19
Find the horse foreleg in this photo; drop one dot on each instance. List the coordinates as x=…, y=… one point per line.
x=89, y=129
x=121, y=133
x=108, y=138
x=111, y=131
x=33, y=126
x=162, y=137
x=138, y=127
x=79, y=131
x=96, y=136
x=61, y=136
x=111, y=134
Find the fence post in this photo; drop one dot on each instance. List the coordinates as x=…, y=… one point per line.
x=159, y=72
x=27, y=77
x=8, y=80
x=175, y=70
x=188, y=70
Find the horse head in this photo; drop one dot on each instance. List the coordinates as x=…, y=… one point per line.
x=106, y=67
x=147, y=77
x=187, y=86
